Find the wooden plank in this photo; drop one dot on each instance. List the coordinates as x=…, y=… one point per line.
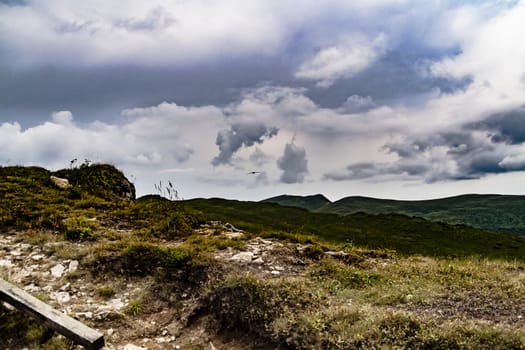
x=52, y=318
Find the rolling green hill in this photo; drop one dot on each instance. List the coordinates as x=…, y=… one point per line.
x=313, y=203
x=500, y=213
x=406, y=235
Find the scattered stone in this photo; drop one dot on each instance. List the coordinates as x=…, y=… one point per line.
x=133, y=347
x=259, y=260
x=161, y=340
x=300, y=262
x=32, y=288
x=63, y=297
x=108, y=316
x=6, y=263
x=232, y=235
x=87, y=315
x=243, y=257
x=231, y=227
x=58, y=270
x=73, y=266
x=38, y=257
x=336, y=254
x=110, y=332
x=26, y=246
x=275, y=272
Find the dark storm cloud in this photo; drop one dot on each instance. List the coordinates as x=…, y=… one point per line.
x=97, y=92
x=472, y=156
x=28, y=95
x=400, y=76
x=455, y=155
x=293, y=163
x=506, y=127
x=368, y=170
x=244, y=134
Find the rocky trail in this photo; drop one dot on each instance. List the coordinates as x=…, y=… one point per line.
x=107, y=304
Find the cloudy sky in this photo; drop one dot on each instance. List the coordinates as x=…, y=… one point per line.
x=402, y=99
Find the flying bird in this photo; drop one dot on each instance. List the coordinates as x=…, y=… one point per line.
x=254, y=172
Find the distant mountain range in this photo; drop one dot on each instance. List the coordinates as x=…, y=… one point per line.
x=502, y=213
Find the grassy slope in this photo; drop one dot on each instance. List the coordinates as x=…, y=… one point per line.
x=492, y=212
x=368, y=301
x=404, y=234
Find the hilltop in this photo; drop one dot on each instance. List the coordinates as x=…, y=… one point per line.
x=500, y=213
x=219, y=274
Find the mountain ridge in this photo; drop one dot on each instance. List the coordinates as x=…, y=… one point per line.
x=495, y=212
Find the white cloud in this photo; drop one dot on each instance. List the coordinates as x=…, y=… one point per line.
x=149, y=137
x=62, y=118
x=154, y=32
x=493, y=55
x=514, y=162
x=343, y=60
x=168, y=33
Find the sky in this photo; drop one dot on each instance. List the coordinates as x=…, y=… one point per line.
x=399, y=99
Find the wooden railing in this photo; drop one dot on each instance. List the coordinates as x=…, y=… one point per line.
x=50, y=317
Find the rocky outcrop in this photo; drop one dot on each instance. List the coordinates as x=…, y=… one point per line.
x=60, y=182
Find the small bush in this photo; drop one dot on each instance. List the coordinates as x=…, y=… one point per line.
x=79, y=229
x=336, y=275
x=135, y=307
x=105, y=292
x=144, y=258
x=314, y=252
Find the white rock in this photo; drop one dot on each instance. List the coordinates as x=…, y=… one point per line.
x=275, y=272
x=110, y=332
x=132, y=347
x=62, y=297
x=88, y=315
x=259, y=260
x=58, y=270
x=5, y=263
x=32, y=288
x=116, y=304
x=25, y=246
x=244, y=257
x=73, y=266
x=38, y=257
